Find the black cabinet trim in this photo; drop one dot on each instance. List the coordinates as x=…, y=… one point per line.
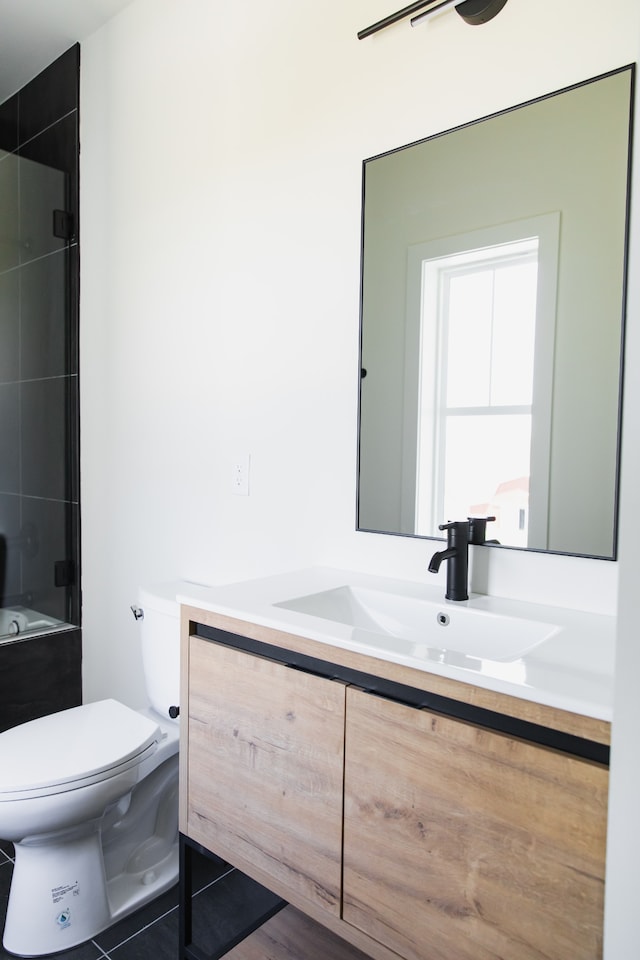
x=412, y=697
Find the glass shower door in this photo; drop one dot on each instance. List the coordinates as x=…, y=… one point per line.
x=38, y=399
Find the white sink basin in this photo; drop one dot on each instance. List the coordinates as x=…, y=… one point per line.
x=463, y=628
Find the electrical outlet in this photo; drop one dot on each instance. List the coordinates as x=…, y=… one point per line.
x=240, y=476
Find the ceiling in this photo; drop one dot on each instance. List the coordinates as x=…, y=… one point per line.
x=35, y=32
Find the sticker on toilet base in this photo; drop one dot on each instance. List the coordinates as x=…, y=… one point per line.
x=63, y=919
x=65, y=890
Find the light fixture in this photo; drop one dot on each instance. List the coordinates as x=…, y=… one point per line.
x=433, y=11
x=473, y=12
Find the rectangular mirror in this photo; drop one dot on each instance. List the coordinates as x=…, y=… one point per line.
x=492, y=319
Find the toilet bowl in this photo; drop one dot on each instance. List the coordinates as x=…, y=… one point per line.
x=89, y=797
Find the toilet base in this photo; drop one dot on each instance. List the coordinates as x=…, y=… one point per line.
x=69, y=886
x=129, y=892
x=58, y=896
x=49, y=912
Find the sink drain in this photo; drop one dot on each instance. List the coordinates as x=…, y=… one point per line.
x=443, y=619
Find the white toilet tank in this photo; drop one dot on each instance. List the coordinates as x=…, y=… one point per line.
x=158, y=616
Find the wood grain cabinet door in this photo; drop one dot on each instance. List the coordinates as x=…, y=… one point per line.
x=265, y=771
x=465, y=844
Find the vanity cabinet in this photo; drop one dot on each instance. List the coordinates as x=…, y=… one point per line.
x=464, y=843
x=407, y=832
x=265, y=772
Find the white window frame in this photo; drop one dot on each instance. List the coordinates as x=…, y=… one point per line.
x=420, y=419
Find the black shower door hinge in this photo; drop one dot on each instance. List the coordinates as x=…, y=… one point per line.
x=64, y=573
x=63, y=226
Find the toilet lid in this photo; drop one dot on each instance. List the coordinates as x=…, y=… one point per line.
x=75, y=744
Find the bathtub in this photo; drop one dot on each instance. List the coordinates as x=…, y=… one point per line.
x=20, y=621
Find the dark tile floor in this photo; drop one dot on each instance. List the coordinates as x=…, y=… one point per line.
x=152, y=932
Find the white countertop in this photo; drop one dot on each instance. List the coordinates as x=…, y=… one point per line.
x=573, y=670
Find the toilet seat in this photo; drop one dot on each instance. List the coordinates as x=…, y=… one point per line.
x=73, y=748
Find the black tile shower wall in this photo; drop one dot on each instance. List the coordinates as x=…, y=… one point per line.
x=48, y=345
x=53, y=94
x=10, y=567
x=39, y=676
x=48, y=165
x=9, y=124
x=39, y=416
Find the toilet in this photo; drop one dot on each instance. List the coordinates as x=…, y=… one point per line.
x=89, y=797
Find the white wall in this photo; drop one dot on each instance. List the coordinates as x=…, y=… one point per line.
x=220, y=170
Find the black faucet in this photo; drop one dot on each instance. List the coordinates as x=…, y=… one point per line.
x=457, y=553
x=460, y=533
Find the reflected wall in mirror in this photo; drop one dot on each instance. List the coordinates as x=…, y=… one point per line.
x=493, y=291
